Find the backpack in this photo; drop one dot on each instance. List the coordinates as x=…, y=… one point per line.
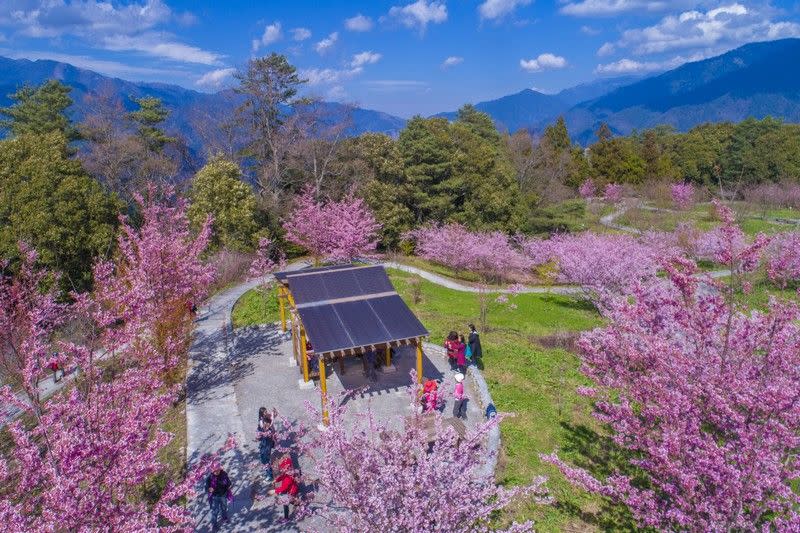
x=468, y=351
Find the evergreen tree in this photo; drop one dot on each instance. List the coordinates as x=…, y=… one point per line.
x=49, y=202
x=40, y=110
x=148, y=118
x=557, y=135
x=217, y=190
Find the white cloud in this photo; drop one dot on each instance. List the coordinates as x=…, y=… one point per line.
x=545, y=61
x=715, y=30
x=336, y=93
x=107, y=25
x=358, y=23
x=272, y=33
x=364, y=58
x=158, y=45
x=88, y=18
x=630, y=66
x=452, y=61
x=324, y=76
x=327, y=43
x=497, y=9
x=593, y=8
x=419, y=14
x=606, y=50
x=588, y=30
x=215, y=78
x=300, y=34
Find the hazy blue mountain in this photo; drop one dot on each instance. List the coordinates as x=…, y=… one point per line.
x=188, y=109
x=755, y=80
x=594, y=89
x=524, y=109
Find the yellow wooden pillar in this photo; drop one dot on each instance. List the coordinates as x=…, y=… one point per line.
x=303, y=354
x=323, y=387
x=419, y=361
x=281, y=298
x=388, y=355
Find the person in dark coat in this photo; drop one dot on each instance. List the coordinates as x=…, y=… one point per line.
x=474, y=342
x=266, y=439
x=218, y=488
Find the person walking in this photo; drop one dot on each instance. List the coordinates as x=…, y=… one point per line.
x=218, y=489
x=56, y=368
x=474, y=341
x=460, y=399
x=266, y=439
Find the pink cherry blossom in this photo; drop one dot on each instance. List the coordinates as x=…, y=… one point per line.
x=682, y=195
x=587, y=189
x=332, y=231
x=612, y=193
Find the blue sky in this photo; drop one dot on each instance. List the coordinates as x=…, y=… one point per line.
x=399, y=56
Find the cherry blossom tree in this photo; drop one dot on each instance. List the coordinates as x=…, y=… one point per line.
x=703, y=399
x=420, y=476
x=682, y=195
x=491, y=255
x=587, y=189
x=783, y=259
x=598, y=263
x=612, y=193
x=332, y=231
x=82, y=463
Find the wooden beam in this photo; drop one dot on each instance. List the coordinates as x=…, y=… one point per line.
x=419, y=361
x=281, y=298
x=303, y=354
x=388, y=355
x=323, y=387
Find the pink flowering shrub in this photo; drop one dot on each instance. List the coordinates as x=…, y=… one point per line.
x=783, y=259
x=612, y=193
x=682, y=195
x=728, y=245
x=417, y=477
x=587, y=189
x=702, y=397
x=82, y=464
x=596, y=262
x=332, y=231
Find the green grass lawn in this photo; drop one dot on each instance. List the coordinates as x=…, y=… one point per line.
x=254, y=307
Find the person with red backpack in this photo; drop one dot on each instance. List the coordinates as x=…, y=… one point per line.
x=451, y=346
x=286, y=485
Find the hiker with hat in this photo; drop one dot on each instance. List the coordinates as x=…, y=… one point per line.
x=460, y=404
x=287, y=487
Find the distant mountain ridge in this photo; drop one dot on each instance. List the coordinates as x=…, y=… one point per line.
x=756, y=79
x=187, y=107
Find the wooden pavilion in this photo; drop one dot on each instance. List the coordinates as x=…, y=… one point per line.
x=344, y=311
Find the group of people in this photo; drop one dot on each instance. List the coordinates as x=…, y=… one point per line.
x=462, y=352
x=286, y=485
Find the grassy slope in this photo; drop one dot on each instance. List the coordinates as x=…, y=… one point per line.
x=254, y=308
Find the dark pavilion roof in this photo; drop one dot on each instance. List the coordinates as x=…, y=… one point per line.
x=350, y=307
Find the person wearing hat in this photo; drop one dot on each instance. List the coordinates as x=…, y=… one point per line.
x=460, y=405
x=218, y=488
x=286, y=486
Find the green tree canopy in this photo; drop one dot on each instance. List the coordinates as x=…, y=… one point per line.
x=217, y=190
x=49, y=202
x=148, y=119
x=39, y=110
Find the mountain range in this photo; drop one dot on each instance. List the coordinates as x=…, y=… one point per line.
x=755, y=80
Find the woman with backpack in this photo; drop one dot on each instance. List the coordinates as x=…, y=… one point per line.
x=474, y=342
x=461, y=355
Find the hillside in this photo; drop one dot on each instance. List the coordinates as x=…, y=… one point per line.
x=751, y=81
x=188, y=108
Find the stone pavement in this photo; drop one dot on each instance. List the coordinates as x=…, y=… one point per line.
x=259, y=372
